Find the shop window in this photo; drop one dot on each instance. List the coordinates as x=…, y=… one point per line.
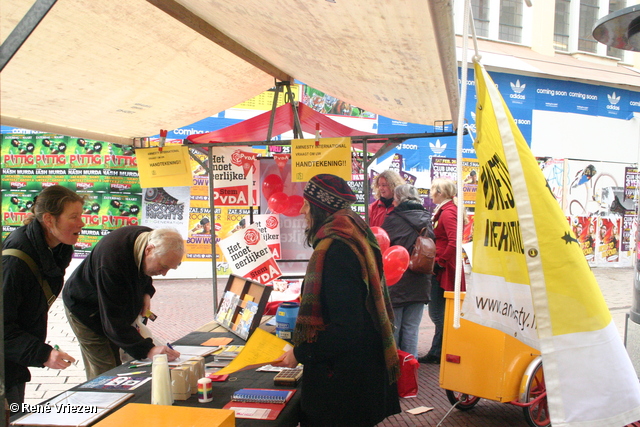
x=588, y=17
x=561, y=26
x=480, y=10
x=614, y=6
x=511, y=21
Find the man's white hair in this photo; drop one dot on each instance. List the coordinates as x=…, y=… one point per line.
x=166, y=240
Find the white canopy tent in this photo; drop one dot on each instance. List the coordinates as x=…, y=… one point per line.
x=120, y=70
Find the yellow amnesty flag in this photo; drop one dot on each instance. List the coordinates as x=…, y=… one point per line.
x=531, y=280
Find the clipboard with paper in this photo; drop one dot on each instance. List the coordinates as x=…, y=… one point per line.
x=261, y=349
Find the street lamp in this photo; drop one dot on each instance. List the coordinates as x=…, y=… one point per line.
x=621, y=29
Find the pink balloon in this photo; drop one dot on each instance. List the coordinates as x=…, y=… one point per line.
x=278, y=202
x=295, y=204
x=395, y=261
x=382, y=237
x=271, y=184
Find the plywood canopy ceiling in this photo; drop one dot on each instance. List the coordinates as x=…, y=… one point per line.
x=116, y=70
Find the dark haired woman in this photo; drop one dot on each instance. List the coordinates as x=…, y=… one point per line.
x=45, y=241
x=343, y=333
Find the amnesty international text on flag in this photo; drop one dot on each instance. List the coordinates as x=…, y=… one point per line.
x=531, y=280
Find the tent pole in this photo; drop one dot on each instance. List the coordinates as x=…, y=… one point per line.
x=23, y=30
x=212, y=218
x=365, y=180
x=273, y=110
x=297, y=127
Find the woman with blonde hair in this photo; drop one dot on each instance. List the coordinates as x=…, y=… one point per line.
x=445, y=226
x=383, y=188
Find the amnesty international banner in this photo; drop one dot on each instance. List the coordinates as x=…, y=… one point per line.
x=530, y=279
x=164, y=167
x=329, y=155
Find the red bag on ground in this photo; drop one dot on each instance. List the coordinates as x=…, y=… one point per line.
x=408, y=381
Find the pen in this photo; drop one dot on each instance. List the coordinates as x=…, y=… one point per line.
x=140, y=365
x=170, y=346
x=56, y=348
x=126, y=374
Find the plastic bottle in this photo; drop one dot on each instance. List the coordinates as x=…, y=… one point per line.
x=161, y=393
x=286, y=316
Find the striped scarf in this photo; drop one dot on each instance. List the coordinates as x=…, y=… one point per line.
x=347, y=227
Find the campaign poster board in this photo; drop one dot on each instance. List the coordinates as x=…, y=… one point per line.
x=249, y=256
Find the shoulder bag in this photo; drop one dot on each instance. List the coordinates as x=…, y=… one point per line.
x=423, y=255
x=50, y=297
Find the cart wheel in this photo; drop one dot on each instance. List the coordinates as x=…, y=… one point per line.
x=537, y=414
x=464, y=401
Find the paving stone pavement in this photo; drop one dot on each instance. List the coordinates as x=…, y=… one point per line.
x=184, y=305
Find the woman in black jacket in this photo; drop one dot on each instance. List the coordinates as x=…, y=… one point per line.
x=411, y=292
x=47, y=239
x=343, y=334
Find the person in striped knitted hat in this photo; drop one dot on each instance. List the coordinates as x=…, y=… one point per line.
x=344, y=329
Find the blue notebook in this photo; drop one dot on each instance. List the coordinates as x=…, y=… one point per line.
x=261, y=395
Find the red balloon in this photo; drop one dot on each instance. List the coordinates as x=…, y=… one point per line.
x=382, y=237
x=271, y=184
x=295, y=204
x=278, y=202
x=392, y=278
x=395, y=261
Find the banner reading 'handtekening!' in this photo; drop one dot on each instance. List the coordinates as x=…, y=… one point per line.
x=328, y=155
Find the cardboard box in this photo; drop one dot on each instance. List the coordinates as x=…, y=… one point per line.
x=181, y=382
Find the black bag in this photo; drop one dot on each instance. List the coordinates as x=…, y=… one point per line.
x=423, y=255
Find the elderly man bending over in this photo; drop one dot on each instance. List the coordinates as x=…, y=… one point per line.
x=111, y=287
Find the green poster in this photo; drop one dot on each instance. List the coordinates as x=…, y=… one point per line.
x=119, y=210
x=15, y=207
x=106, y=174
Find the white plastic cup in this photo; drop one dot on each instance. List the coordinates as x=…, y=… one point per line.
x=161, y=392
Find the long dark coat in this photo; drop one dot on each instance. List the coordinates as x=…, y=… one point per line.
x=345, y=381
x=412, y=287
x=25, y=306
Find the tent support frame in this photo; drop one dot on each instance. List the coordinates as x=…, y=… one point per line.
x=390, y=142
x=23, y=30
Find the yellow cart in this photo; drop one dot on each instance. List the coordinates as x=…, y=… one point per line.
x=480, y=362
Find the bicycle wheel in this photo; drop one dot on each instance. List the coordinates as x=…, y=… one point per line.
x=537, y=414
x=464, y=401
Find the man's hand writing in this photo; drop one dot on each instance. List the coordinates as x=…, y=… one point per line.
x=163, y=349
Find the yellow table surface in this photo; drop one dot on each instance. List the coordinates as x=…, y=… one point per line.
x=139, y=414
